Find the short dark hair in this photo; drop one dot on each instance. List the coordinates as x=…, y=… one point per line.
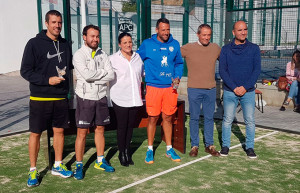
x=123, y=35
x=162, y=20
x=86, y=28
x=203, y=26
x=52, y=12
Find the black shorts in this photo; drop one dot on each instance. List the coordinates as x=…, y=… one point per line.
x=43, y=115
x=91, y=113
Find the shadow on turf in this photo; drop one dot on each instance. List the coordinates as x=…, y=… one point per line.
x=139, y=136
x=235, y=130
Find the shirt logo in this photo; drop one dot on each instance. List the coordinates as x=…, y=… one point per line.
x=164, y=61
x=106, y=120
x=49, y=56
x=171, y=48
x=83, y=122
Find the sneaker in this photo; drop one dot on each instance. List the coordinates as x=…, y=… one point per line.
x=78, y=172
x=173, y=155
x=33, y=179
x=149, y=157
x=224, y=151
x=297, y=109
x=282, y=108
x=104, y=166
x=61, y=171
x=250, y=153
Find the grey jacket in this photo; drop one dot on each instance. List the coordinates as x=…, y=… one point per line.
x=92, y=74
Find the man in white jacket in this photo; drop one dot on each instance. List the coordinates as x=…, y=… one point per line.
x=93, y=71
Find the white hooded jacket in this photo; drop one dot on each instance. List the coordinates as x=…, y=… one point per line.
x=92, y=74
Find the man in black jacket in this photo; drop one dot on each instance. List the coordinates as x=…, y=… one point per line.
x=46, y=64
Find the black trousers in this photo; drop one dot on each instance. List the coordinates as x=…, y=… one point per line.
x=126, y=117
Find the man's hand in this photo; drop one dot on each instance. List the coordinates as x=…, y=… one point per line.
x=239, y=91
x=242, y=90
x=175, y=83
x=55, y=80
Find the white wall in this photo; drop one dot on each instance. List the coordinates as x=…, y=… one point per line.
x=19, y=23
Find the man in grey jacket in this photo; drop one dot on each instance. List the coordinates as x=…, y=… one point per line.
x=93, y=71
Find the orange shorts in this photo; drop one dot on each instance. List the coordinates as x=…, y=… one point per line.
x=161, y=100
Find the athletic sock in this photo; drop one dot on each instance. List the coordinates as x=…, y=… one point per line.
x=169, y=147
x=32, y=169
x=77, y=162
x=57, y=163
x=100, y=158
x=150, y=147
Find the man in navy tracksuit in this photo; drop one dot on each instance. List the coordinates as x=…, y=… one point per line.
x=240, y=66
x=163, y=68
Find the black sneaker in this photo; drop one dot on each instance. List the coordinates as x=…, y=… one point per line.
x=224, y=151
x=250, y=153
x=282, y=108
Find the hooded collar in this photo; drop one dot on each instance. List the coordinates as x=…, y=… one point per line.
x=238, y=49
x=154, y=37
x=44, y=36
x=89, y=50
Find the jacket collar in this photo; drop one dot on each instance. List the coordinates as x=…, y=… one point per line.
x=89, y=50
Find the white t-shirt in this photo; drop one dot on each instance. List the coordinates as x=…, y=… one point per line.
x=125, y=89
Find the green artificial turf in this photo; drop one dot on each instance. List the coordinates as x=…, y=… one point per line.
x=277, y=168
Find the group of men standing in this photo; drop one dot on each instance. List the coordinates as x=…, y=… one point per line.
x=239, y=67
x=47, y=62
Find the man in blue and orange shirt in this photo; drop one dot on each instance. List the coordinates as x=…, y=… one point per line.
x=163, y=70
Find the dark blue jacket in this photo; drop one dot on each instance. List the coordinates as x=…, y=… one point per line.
x=42, y=56
x=163, y=61
x=240, y=65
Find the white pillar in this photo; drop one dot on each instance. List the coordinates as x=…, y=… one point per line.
x=83, y=14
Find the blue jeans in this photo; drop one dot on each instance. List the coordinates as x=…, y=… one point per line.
x=298, y=96
x=294, y=91
x=206, y=98
x=230, y=101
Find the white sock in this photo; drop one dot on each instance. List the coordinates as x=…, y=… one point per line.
x=150, y=147
x=169, y=147
x=100, y=158
x=32, y=168
x=57, y=163
x=77, y=162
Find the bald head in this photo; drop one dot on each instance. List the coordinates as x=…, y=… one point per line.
x=238, y=23
x=240, y=31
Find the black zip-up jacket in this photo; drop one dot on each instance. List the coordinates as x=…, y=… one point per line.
x=41, y=60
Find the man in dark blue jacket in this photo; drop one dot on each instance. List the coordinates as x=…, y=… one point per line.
x=46, y=65
x=240, y=66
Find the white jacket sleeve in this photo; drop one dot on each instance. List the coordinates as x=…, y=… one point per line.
x=82, y=69
x=110, y=72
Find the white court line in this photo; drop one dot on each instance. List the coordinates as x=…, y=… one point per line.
x=181, y=166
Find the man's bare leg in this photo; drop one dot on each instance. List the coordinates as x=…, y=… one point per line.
x=99, y=140
x=33, y=148
x=167, y=127
x=80, y=143
x=58, y=142
x=151, y=129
